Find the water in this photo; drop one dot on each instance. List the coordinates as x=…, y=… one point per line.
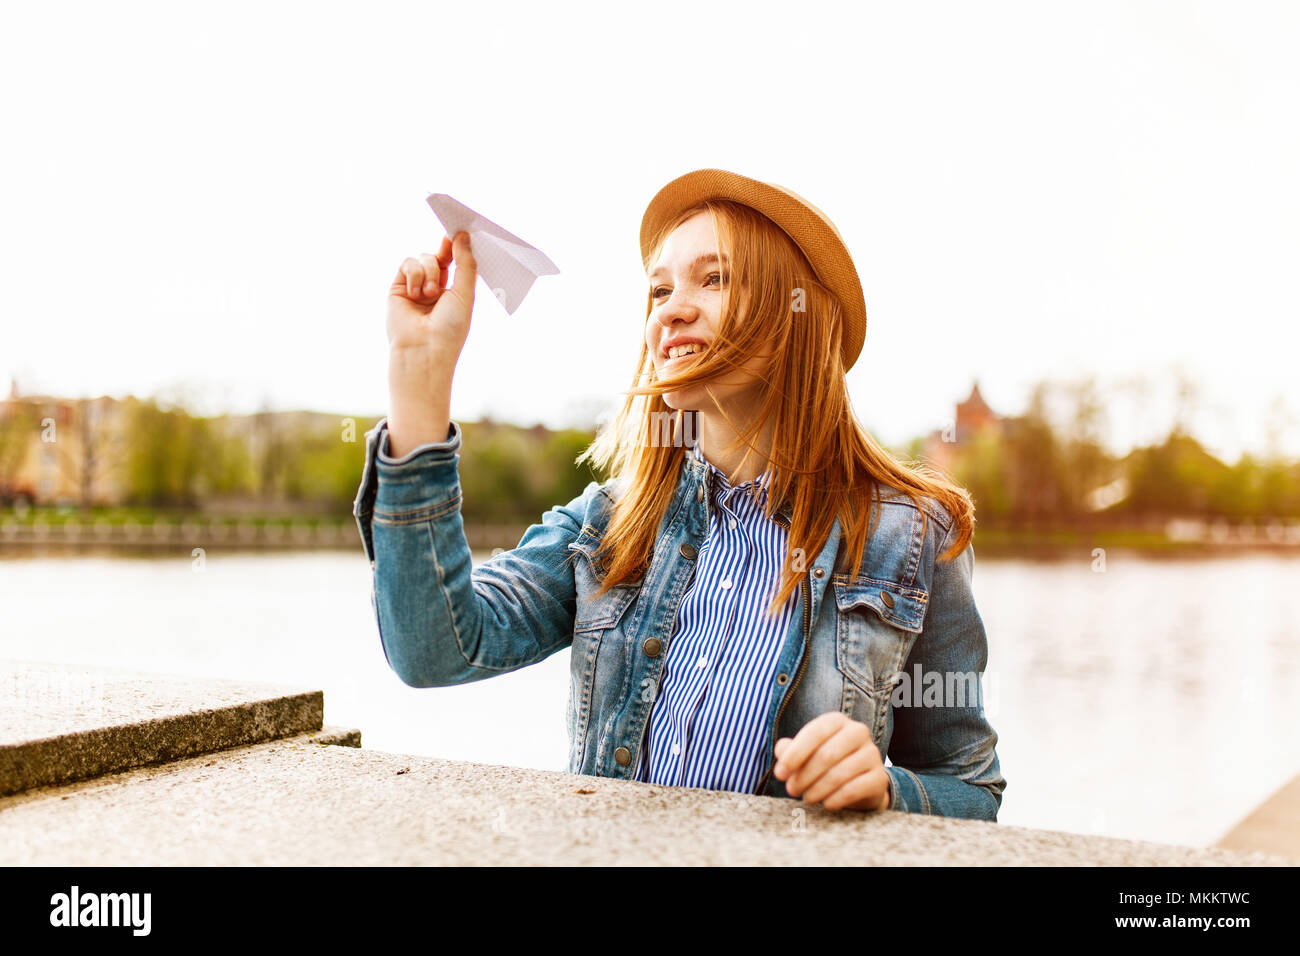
x=1152, y=701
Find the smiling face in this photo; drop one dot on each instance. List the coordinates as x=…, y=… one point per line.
x=688, y=285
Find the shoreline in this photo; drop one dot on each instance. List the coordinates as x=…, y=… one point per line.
x=344, y=535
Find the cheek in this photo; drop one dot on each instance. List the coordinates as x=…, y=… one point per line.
x=741, y=299
x=759, y=365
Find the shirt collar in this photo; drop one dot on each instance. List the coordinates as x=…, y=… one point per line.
x=759, y=483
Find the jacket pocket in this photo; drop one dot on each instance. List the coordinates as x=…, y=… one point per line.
x=878, y=621
x=593, y=613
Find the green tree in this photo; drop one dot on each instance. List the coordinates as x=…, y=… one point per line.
x=165, y=454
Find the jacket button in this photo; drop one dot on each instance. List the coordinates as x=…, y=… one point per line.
x=689, y=551
x=652, y=647
x=782, y=679
x=887, y=598
x=699, y=493
x=622, y=756
x=819, y=572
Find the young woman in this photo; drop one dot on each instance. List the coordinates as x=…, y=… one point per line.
x=761, y=599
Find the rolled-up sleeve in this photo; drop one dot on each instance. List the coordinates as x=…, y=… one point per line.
x=363, y=507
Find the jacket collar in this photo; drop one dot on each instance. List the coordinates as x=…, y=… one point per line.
x=701, y=469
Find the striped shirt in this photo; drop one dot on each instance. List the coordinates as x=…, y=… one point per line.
x=707, y=725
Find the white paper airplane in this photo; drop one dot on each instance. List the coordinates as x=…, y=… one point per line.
x=506, y=263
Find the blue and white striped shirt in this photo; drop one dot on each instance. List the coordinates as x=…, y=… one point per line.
x=707, y=725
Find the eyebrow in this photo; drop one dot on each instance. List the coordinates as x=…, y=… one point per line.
x=707, y=257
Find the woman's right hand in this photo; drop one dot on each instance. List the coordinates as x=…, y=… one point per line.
x=427, y=327
x=423, y=313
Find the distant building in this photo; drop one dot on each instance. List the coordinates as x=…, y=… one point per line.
x=972, y=417
x=62, y=451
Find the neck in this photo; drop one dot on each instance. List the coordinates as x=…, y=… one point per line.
x=715, y=435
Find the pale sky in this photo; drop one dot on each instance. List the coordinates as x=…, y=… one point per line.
x=211, y=200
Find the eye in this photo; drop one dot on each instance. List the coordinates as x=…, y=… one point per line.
x=655, y=293
x=718, y=275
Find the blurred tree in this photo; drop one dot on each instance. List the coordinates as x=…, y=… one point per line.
x=96, y=452
x=228, y=471
x=566, y=480
x=271, y=452
x=165, y=454
x=320, y=466
x=1176, y=478
x=493, y=473
x=1033, y=466
x=1234, y=492
x=1086, y=464
x=982, y=469
x=20, y=424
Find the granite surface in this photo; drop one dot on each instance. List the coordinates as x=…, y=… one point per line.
x=60, y=723
x=293, y=802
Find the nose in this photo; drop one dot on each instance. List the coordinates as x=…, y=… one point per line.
x=678, y=307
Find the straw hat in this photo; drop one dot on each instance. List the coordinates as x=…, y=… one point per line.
x=803, y=222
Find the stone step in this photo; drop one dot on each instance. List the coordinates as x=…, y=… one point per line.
x=63, y=723
x=291, y=803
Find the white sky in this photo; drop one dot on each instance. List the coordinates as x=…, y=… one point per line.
x=211, y=200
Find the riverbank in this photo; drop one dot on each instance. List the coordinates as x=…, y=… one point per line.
x=147, y=532
x=131, y=534
x=1174, y=540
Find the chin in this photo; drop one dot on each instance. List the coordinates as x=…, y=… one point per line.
x=682, y=401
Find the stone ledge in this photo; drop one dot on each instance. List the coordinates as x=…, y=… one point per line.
x=291, y=802
x=60, y=723
x=1270, y=827
x=336, y=737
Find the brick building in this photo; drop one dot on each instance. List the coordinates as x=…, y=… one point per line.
x=972, y=418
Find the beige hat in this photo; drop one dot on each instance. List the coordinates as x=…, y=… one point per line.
x=803, y=222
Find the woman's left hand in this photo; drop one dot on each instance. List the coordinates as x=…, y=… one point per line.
x=833, y=761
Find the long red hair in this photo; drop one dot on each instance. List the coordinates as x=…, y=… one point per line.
x=823, y=462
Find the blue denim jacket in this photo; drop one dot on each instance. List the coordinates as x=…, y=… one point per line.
x=873, y=646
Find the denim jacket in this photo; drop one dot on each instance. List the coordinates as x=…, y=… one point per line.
x=900, y=647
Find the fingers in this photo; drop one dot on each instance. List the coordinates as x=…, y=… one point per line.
x=811, y=736
x=869, y=791
x=433, y=277
x=833, y=760
x=850, y=738
x=444, y=258
x=410, y=279
x=423, y=278
x=851, y=765
x=466, y=269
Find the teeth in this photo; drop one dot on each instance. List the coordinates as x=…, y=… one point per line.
x=677, y=351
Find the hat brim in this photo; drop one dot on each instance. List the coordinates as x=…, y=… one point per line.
x=811, y=230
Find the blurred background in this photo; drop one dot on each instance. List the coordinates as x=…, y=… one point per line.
x=1076, y=228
